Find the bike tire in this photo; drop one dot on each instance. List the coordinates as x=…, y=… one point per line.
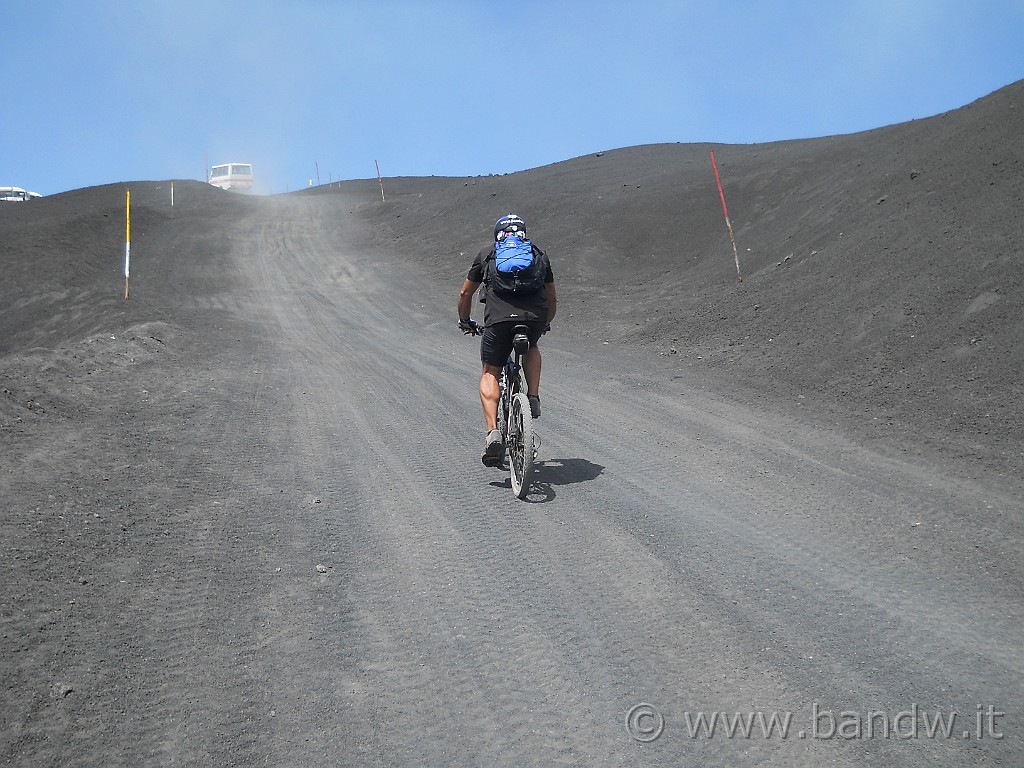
x=520, y=445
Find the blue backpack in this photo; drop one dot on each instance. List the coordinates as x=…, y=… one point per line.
x=518, y=267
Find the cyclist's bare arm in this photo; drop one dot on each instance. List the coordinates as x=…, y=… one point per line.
x=466, y=298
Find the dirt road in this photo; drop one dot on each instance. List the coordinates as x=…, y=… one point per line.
x=256, y=531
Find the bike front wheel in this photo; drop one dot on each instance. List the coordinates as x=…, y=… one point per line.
x=520, y=445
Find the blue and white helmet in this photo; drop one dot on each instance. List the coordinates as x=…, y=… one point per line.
x=509, y=224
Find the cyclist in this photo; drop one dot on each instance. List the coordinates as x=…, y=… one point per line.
x=503, y=311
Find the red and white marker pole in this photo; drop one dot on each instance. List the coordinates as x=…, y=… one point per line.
x=728, y=224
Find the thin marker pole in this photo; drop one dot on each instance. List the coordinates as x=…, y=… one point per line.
x=127, y=238
x=380, y=181
x=728, y=224
x=172, y=194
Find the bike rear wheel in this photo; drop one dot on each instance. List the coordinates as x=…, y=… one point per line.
x=520, y=445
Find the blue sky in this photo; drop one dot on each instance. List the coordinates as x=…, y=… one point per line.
x=98, y=92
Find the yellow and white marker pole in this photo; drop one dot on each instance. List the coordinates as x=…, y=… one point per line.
x=127, y=238
x=172, y=194
x=380, y=181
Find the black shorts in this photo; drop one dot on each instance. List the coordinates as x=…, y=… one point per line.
x=496, y=345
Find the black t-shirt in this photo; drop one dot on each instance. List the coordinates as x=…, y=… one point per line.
x=503, y=308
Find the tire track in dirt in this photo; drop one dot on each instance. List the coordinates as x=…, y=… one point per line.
x=413, y=519
x=734, y=542
x=677, y=549
x=718, y=566
x=427, y=538
x=197, y=682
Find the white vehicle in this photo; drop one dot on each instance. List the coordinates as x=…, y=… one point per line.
x=16, y=195
x=234, y=176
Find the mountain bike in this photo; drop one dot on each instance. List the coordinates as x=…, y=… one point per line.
x=515, y=421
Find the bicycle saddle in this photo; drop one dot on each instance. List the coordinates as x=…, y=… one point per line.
x=520, y=340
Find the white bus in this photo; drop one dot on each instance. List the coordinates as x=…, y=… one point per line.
x=16, y=195
x=234, y=176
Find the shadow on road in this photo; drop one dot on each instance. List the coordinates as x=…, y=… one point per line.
x=552, y=472
x=566, y=471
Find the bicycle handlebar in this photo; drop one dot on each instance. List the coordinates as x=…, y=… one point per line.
x=473, y=328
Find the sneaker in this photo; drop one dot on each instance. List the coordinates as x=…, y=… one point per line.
x=494, y=449
x=534, y=405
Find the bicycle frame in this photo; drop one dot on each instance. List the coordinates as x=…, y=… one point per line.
x=510, y=373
